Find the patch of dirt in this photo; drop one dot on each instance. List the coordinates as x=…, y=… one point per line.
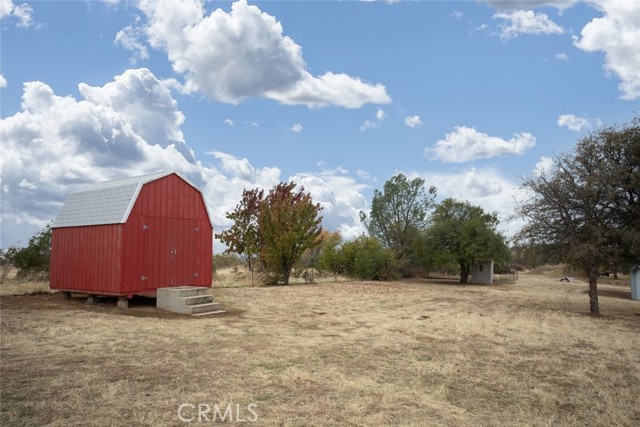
x=613, y=293
x=139, y=306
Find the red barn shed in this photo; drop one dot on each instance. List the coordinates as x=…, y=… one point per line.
x=132, y=236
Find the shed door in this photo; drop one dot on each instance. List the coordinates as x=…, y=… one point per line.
x=169, y=251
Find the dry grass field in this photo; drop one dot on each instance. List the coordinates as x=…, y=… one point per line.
x=415, y=353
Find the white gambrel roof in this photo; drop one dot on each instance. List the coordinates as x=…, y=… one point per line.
x=109, y=202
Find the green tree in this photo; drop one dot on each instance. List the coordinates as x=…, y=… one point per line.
x=243, y=237
x=465, y=234
x=288, y=224
x=311, y=260
x=367, y=259
x=586, y=208
x=400, y=212
x=33, y=259
x=329, y=258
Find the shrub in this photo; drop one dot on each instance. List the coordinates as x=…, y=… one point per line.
x=34, y=259
x=365, y=258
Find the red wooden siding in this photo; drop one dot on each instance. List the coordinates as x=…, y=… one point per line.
x=87, y=259
x=166, y=241
x=168, y=237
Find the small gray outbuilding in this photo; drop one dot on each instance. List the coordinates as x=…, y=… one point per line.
x=482, y=272
x=634, y=276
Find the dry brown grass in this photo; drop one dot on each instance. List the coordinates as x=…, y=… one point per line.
x=238, y=277
x=12, y=285
x=354, y=354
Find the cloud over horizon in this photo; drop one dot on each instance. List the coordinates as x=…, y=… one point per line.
x=485, y=187
x=130, y=126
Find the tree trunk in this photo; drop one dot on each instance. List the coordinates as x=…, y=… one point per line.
x=593, y=294
x=286, y=272
x=464, y=272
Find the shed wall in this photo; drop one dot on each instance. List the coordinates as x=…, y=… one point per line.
x=168, y=238
x=482, y=273
x=87, y=259
x=635, y=282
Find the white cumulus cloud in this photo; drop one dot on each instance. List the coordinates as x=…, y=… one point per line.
x=23, y=13
x=617, y=34
x=242, y=53
x=297, y=128
x=130, y=126
x=465, y=144
x=526, y=22
x=341, y=198
x=3, y=81
x=486, y=188
x=544, y=166
x=413, y=121
x=573, y=122
x=131, y=38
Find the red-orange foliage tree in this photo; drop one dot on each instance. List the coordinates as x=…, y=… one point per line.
x=278, y=228
x=243, y=237
x=288, y=223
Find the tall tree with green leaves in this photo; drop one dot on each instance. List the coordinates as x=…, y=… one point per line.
x=399, y=212
x=465, y=234
x=288, y=224
x=586, y=208
x=243, y=237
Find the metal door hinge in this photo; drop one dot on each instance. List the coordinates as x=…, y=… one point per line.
x=195, y=274
x=143, y=277
x=145, y=226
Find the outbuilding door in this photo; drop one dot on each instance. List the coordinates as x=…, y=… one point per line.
x=169, y=251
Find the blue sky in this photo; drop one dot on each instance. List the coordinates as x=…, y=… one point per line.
x=337, y=96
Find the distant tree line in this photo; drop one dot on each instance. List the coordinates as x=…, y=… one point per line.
x=408, y=234
x=583, y=211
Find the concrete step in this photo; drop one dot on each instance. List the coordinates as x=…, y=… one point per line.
x=197, y=299
x=185, y=299
x=207, y=313
x=187, y=291
x=203, y=308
